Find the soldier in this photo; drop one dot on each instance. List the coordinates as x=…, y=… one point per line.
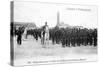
x=19, y=36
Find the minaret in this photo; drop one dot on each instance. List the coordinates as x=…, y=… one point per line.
x=58, y=19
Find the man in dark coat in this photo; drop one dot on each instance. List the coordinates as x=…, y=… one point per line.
x=19, y=35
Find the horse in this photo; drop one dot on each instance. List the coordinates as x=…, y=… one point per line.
x=45, y=36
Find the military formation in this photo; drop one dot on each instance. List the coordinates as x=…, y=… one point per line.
x=67, y=37
x=74, y=36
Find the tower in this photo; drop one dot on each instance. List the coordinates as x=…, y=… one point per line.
x=58, y=19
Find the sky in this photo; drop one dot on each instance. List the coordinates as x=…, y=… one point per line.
x=39, y=13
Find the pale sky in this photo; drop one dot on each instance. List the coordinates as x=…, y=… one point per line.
x=39, y=13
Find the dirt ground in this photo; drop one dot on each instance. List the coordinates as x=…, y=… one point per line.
x=32, y=52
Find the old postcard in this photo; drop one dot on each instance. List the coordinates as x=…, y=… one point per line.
x=46, y=33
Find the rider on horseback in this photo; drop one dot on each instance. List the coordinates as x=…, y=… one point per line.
x=45, y=33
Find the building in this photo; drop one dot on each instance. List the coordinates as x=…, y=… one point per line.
x=59, y=23
x=63, y=25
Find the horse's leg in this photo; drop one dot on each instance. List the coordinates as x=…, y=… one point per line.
x=47, y=40
x=43, y=41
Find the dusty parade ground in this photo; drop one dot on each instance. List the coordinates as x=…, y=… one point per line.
x=32, y=52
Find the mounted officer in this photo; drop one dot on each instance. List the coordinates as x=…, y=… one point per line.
x=45, y=34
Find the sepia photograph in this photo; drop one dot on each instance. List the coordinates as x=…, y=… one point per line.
x=47, y=33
